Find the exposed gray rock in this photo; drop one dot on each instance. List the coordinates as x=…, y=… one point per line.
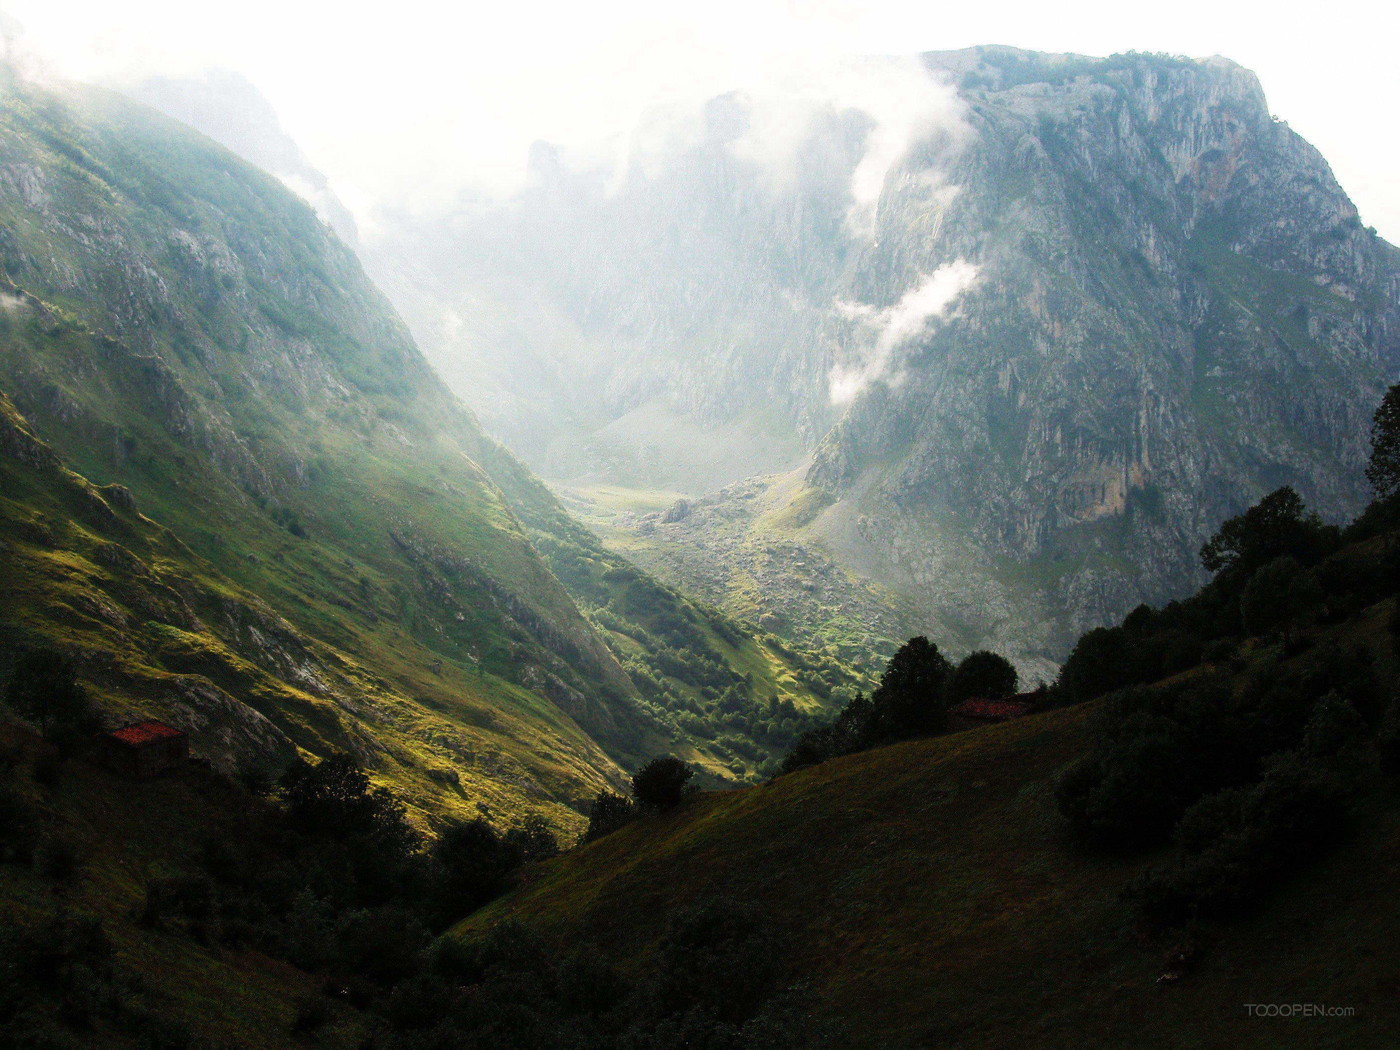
x=1175, y=309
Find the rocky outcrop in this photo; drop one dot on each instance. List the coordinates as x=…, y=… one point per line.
x=1177, y=310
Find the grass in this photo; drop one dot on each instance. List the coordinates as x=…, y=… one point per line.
x=150, y=621
x=928, y=895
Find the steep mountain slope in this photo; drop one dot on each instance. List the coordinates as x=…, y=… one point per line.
x=180, y=324
x=225, y=106
x=158, y=630
x=1110, y=304
x=1177, y=309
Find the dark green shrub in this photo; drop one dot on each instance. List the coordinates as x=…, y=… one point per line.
x=1277, y=597
x=472, y=865
x=1156, y=751
x=720, y=956
x=662, y=783
x=1101, y=661
x=982, y=675
x=19, y=826
x=532, y=841
x=417, y=1003
x=366, y=851
x=1236, y=844
x=57, y=859
x=48, y=770
x=588, y=985
x=186, y=897
x=380, y=944
x=334, y=799
x=44, y=688
x=312, y=1014
x=1333, y=726
x=607, y=813
x=1388, y=742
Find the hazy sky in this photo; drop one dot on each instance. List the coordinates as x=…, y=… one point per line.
x=417, y=98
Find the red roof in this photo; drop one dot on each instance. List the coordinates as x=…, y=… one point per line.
x=139, y=733
x=994, y=709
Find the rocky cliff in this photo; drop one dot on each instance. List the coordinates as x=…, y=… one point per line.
x=1111, y=303
x=1175, y=309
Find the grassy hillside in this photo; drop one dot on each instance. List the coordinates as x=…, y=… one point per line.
x=928, y=895
x=158, y=630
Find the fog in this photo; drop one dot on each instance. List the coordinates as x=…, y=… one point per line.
x=418, y=104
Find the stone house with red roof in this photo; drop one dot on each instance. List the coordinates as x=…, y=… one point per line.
x=144, y=749
x=977, y=712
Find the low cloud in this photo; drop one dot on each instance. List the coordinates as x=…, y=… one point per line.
x=424, y=115
x=904, y=103
x=885, y=331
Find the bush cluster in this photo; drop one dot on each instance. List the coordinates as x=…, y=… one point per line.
x=715, y=982
x=918, y=687
x=1235, y=844
x=661, y=784
x=1248, y=774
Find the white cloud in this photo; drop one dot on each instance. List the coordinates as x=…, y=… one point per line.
x=903, y=102
x=885, y=331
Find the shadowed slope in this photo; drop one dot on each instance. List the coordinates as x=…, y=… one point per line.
x=930, y=899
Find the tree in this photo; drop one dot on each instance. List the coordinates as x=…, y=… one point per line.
x=662, y=782
x=1276, y=596
x=533, y=839
x=853, y=730
x=44, y=688
x=333, y=798
x=474, y=865
x=983, y=675
x=910, y=698
x=1383, y=471
x=1098, y=664
x=608, y=813
x=1277, y=525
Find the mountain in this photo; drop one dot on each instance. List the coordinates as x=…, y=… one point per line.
x=241, y=499
x=1200, y=851
x=1103, y=305
x=228, y=108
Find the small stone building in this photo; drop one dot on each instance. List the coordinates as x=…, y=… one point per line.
x=973, y=713
x=144, y=749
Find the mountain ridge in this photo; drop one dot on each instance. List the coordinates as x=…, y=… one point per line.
x=181, y=324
